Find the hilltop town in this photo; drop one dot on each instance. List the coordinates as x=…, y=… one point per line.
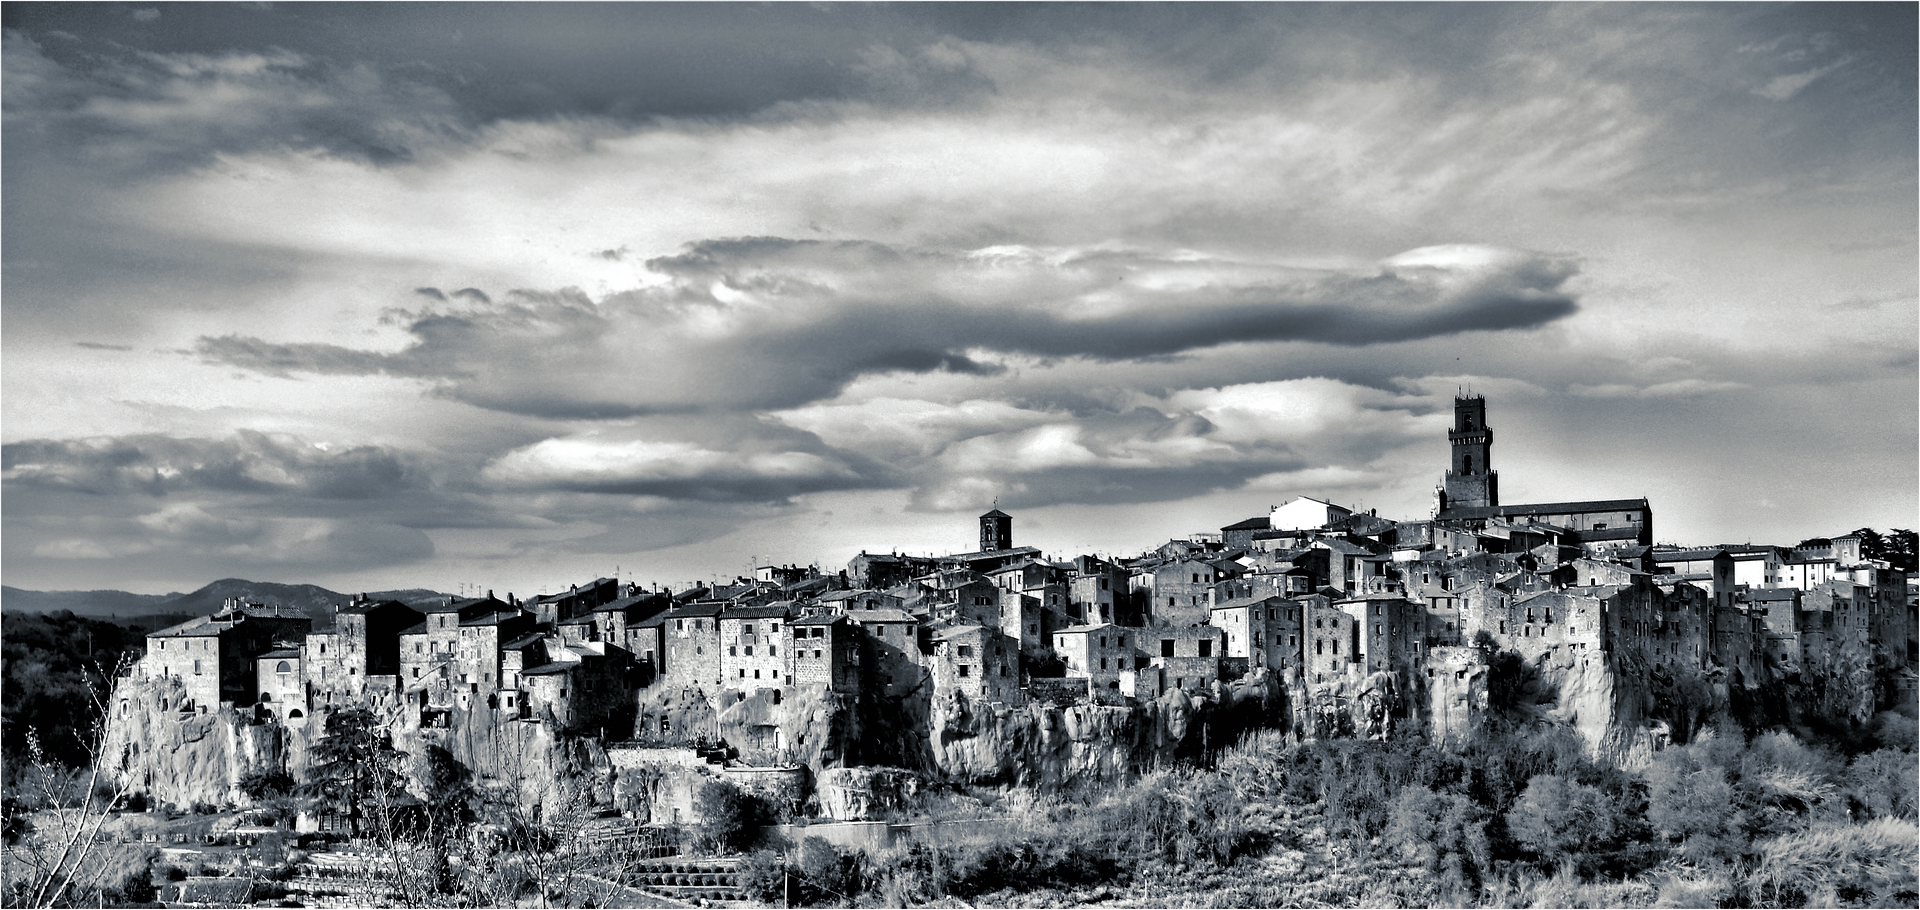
x=1339, y=622
x=1003, y=665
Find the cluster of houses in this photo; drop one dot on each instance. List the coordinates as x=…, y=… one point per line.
x=1317, y=594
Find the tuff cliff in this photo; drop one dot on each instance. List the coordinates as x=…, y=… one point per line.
x=1045, y=746
x=185, y=759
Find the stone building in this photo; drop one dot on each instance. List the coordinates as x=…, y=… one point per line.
x=981, y=663
x=1188, y=657
x=1097, y=590
x=360, y=644
x=1390, y=633
x=1181, y=592
x=281, y=684
x=826, y=653
x=757, y=648
x=214, y=656
x=575, y=601
x=692, y=650
x=1099, y=652
x=889, y=651
x=1330, y=642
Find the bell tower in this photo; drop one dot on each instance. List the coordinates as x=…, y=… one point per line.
x=1471, y=481
x=996, y=531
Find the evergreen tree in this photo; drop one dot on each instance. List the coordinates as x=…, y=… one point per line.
x=355, y=767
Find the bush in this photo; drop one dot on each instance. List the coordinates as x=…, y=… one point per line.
x=1885, y=784
x=762, y=875
x=728, y=818
x=1560, y=819
x=1693, y=804
x=1832, y=865
x=825, y=873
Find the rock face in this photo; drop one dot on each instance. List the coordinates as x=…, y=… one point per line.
x=181, y=760
x=1046, y=746
x=865, y=794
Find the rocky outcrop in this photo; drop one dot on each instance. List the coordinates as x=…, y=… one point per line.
x=186, y=759
x=1046, y=746
x=865, y=794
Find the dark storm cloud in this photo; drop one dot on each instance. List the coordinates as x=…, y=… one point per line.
x=769, y=323
x=248, y=462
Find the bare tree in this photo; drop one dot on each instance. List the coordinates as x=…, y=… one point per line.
x=57, y=862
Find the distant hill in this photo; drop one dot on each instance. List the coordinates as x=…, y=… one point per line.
x=84, y=603
x=310, y=599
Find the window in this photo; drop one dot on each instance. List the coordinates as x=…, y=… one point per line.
x=965, y=670
x=1166, y=647
x=966, y=650
x=770, y=651
x=1103, y=641
x=196, y=668
x=1206, y=647
x=283, y=667
x=776, y=628
x=1103, y=663
x=733, y=651
x=747, y=628
x=749, y=650
x=1123, y=641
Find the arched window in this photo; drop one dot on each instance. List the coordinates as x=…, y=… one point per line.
x=266, y=697
x=283, y=667
x=295, y=714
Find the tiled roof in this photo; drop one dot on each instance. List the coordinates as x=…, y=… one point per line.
x=370, y=606
x=1460, y=513
x=704, y=608
x=494, y=618
x=192, y=628
x=1687, y=555
x=870, y=616
x=820, y=619
x=1076, y=630
x=957, y=632
x=774, y=611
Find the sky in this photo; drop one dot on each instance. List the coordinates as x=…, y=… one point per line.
x=506, y=297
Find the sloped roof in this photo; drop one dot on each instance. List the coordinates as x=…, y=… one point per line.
x=1469, y=513
x=952, y=632
x=370, y=606
x=868, y=616
x=1252, y=524
x=820, y=619
x=772, y=611
x=1076, y=630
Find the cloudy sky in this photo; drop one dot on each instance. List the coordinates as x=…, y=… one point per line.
x=510, y=296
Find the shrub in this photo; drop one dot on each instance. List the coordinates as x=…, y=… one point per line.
x=826, y=873
x=1694, y=804
x=728, y=817
x=1870, y=865
x=1560, y=819
x=1885, y=784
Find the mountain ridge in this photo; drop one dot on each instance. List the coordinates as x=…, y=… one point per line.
x=313, y=600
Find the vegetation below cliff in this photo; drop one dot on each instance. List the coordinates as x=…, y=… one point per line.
x=1519, y=817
